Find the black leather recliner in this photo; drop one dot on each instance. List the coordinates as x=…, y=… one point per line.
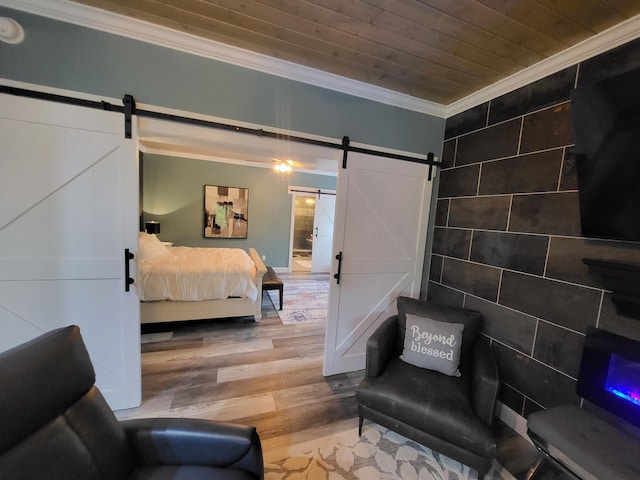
x=451, y=415
x=56, y=425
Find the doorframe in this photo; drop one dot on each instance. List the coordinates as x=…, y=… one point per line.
x=295, y=191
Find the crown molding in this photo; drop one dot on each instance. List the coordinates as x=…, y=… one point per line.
x=613, y=37
x=90, y=17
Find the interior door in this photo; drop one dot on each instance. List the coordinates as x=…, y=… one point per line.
x=382, y=210
x=68, y=209
x=323, y=233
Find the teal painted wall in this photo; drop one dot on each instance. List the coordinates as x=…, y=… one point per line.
x=67, y=56
x=173, y=194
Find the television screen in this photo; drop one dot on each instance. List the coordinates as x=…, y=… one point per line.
x=606, y=128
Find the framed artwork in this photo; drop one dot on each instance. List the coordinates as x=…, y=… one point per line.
x=226, y=212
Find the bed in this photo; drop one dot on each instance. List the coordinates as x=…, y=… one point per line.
x=192, y=283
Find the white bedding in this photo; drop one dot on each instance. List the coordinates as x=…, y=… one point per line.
x=195, y=274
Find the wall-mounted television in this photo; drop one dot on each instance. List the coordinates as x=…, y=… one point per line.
x=606, y=128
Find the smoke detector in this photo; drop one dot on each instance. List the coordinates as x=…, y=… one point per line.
x=10, y=30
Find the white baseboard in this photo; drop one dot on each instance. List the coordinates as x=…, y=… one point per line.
x=512, y=420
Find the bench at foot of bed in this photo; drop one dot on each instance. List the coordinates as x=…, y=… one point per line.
x=271, y=281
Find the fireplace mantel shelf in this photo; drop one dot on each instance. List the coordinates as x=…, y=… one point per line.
x=623, y=280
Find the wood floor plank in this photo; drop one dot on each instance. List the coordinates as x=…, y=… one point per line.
x=226, y=410
x=269, y=383
x=282, y=422
x=242, y=372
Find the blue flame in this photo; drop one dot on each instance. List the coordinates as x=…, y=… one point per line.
x=628, y=395
x=623, y=379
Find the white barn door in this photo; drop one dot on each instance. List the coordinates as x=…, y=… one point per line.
x=68, y=209
x=382, y=210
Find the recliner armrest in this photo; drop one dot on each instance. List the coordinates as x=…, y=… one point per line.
x=176, y=441
x=381, y=346
x=485, y=380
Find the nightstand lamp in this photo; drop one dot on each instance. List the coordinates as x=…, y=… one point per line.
x=152, y=227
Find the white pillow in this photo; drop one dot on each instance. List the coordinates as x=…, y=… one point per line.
x=150, y=246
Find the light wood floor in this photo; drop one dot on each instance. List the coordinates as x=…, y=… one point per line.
x=265, y=374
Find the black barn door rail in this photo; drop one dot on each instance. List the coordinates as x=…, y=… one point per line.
x=129, y=108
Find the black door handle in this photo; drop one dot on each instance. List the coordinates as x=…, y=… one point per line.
x=337, y=275
x=127, y=279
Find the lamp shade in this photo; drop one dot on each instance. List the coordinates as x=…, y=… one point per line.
x=152, y=227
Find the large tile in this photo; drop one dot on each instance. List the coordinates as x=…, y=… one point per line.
x=489, y=143
x=559, y=348
x=547, y=213
x=553, y=89
x=512, y=398
x=442, y=212
x=613, y=62
x=533, y=379
x=444, y=295
x=451, y=242
x=561, y=303
x=435, y=269
x=504, y=324
x=490, y=213
x=566, y=258
x=473, y=119
x=569, y=175
x=549, y=128
x=459, y=182
x=525, y=253
x=449, y=153
x=537, y=172
x=479, y=280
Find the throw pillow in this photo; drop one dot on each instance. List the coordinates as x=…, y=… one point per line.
x=432, y=344
x=150, y=246
x=471, y=319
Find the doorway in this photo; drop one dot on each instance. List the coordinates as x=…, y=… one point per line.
x=311, y=229
x=302, y=230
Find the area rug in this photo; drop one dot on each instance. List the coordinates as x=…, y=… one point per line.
x=305, y=300
x=378, y=454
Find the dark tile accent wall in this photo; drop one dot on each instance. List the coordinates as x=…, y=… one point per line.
x=473, y=119
x=609, y=64
x=508, y=241
x=525, y=253
x=494, y=142
x=547, y=213
x=552, y=90
x=480, y=212
x=538, y=172
x=459, y=182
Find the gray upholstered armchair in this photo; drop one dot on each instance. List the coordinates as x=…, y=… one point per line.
x=448, y=413
x=55, y=424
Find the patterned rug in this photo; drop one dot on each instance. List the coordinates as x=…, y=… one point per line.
x=378, y=454
x=305, y=299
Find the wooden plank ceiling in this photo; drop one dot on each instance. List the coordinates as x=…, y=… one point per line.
x=436, y=50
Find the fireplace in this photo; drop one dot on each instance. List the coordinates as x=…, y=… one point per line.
x=610, y=374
